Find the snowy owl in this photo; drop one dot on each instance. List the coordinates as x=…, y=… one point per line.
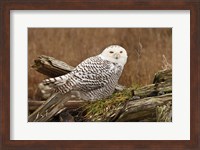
x=95, y=78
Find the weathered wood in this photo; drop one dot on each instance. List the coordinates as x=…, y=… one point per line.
x=146, y=97
x=143, y=108
x=162, y=76
x=33, y=105
x=154, y=89
x=50, y=66
x=138, y=110
x=53, y=106
x=162, y=84
x=71, y=104
x=151, y=103
x=41, y=111
x=131, y=110
x=164, y=113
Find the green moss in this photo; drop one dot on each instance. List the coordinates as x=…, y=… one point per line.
x=102, y=110
x=135, y=85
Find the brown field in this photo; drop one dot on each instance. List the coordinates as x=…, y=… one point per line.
x=145, y=47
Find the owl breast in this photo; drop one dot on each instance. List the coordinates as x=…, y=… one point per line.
x=99, y=81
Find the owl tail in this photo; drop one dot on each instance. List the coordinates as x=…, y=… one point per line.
x=60, y=84
x=57, y=81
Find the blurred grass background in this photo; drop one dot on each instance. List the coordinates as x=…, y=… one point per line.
x=145, y=47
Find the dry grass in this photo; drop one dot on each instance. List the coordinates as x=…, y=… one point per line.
x=147, y=49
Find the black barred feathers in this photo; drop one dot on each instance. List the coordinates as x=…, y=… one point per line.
x=95, y=78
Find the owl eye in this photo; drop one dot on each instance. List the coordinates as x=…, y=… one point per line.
x=111, y=52
x=121, y=52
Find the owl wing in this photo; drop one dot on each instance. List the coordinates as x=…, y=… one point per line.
x=91, y=74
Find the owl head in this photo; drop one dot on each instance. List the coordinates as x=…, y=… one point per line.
x=115, y=53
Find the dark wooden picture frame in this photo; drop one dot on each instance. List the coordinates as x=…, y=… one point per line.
x=7, y=5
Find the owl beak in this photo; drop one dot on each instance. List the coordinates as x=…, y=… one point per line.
x=116, y=56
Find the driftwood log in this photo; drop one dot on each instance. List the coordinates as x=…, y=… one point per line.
x=50, y=66
x=143, y=108
x=56, y=104
x=148, y=103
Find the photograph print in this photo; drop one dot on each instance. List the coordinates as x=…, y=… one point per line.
x=99, y=75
